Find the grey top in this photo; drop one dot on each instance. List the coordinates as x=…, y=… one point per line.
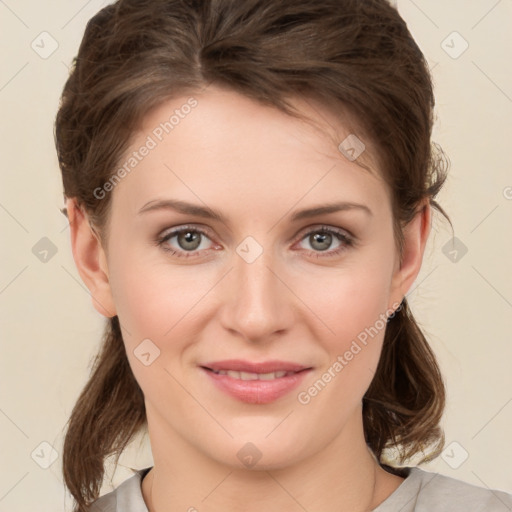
x=421, y=491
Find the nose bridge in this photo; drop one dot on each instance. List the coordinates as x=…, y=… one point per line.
x=259, y=303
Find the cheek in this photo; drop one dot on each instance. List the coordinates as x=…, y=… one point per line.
x=153, y=304
x=152, y=297
x=349, y=302
x=352, y=304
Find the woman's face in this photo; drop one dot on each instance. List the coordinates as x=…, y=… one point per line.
x=262, y=322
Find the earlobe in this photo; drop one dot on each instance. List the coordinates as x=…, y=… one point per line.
x=90, y=259
x=416, y=234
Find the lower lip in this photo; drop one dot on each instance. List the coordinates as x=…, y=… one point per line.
x=257, y=391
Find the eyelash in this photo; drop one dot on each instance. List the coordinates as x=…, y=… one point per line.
x=347, y=241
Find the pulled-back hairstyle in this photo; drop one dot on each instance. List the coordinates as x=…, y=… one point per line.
x=358, y=57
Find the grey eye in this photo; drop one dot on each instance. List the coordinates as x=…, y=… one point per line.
x=320, y=241
x=189, y=240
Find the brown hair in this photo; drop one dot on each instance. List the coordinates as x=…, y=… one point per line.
x=356, y=56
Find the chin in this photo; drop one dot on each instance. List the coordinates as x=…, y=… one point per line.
x=256, y=452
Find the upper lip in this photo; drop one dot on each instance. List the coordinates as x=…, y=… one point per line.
x=239, y=365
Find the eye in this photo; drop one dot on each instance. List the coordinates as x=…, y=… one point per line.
x=190, y=241
x=322, y=238
x=187, y=242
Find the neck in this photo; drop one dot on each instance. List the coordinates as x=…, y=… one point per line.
x=343, y=477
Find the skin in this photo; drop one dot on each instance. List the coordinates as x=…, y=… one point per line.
x=257, y=166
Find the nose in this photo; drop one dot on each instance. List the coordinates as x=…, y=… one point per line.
x=257, y=304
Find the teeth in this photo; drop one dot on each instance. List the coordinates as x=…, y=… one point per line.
x=273, y=375
x=247, y=376
x=268, y=376
x=252, y=376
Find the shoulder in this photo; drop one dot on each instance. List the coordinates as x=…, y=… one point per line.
x=127, y=497
x=447, y=493
x=105, y=503
x=425, y=491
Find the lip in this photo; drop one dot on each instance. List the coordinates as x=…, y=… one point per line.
x=256, y=391
x=240, y=365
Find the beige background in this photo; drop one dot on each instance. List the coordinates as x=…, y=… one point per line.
x=50, y=331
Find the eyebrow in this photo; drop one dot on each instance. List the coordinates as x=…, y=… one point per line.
x=208, y=213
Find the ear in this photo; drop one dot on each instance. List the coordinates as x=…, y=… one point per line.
x=416, y=234
x=90, y=259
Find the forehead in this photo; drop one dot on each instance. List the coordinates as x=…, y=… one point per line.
x=217, y=110
x=221, y=144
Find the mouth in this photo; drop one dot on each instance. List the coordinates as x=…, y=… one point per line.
x=252, y=376
x=255, y=383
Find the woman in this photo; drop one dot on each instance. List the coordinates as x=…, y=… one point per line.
x=250, y=187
